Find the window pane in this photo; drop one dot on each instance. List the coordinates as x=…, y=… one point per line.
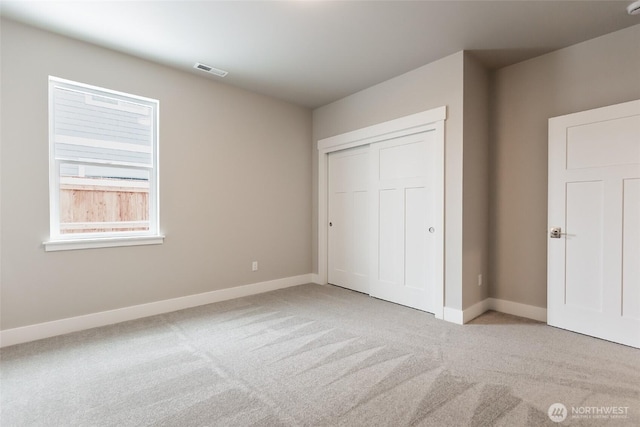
x=101, y=129
x=99, y=199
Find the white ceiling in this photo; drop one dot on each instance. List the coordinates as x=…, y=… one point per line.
x=315, y=52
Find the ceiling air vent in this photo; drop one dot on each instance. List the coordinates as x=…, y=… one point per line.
x=210, y=70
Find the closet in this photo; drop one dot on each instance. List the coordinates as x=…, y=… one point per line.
x=383, y=211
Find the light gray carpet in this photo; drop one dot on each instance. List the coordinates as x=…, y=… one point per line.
x=315, y=356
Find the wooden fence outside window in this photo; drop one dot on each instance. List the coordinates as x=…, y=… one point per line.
x=89, y=205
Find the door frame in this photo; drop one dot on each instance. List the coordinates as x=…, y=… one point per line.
x=430, y=120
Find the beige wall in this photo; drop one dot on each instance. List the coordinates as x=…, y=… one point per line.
x=433, y=85
x=596, y=73
x=475, y=225
x=234, y=173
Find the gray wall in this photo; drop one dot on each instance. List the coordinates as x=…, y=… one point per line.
x=461, y=83
x=436, y=84
x=234, y=173
x=592, y=74
x=475, y=225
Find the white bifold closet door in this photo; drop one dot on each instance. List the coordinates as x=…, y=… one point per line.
x=348, y=260
x=406, y=212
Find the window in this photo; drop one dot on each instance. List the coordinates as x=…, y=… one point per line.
x=103, y=167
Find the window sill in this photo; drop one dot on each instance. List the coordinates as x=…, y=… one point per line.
x=108, y=242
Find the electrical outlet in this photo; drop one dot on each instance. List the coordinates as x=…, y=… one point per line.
x=479, y=279
x=254, y=266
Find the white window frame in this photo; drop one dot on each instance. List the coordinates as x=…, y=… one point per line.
x=59, y=241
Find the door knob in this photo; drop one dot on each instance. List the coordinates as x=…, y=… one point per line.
x=556, y=232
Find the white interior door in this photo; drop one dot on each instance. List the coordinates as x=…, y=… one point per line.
x=348, y=263
x=406, y=225
x=594, y=221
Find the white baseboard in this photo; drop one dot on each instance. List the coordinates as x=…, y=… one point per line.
x=73, y=324
x=461, y=317
x=315, y=278
x=517, y=309
x=476, y=310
